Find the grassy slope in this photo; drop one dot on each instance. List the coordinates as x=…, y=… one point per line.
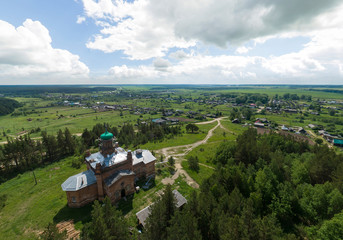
x=186, y=138
x=29, y=207
x=207, y=151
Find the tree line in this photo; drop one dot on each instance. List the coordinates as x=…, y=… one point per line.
x=24, y=153
x=8, y=106
x=128, y=136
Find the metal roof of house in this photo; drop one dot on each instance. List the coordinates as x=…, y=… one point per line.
x=143, y=214
x=108, y=160
x=180, y=200
x=117, y=175
x=144, y=156
x=78, y=181
x=338, y=141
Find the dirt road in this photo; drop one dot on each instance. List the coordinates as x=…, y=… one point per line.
x=178, y=153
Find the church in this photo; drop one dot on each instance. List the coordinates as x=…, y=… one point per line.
x=110, y=172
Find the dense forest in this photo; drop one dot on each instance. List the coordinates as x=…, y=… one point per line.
x=8, y=106
x=265, y=187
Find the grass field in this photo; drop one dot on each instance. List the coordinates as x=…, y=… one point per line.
x=186, y=138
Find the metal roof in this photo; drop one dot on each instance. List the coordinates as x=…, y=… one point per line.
x=108, y=160
x=106, y=135
x=144, y=156
x=338, y=141
x=78, y=181
x=143, y=214
x=117, y=175
x=180, y=200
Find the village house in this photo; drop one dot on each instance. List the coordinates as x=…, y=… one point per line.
x=110, y=172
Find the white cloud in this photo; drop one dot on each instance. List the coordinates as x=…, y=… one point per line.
x=131, y=28
x=26, y=51
x=242, y=50
x=179, y=54
x=320, y=61
x=161, y=64
x=80, y=19
x=146, y=29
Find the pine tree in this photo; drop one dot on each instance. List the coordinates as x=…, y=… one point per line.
x=61, y=142
x=107, y=223
x=69, y=142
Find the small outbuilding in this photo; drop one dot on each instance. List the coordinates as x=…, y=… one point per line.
x=143, y=214
x=338, y=142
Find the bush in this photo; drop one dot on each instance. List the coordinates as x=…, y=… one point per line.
x=3, y=199
x=76, y=163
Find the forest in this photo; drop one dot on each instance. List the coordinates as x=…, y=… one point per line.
x=8, y=106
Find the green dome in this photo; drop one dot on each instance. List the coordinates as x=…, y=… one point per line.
x=106, y=136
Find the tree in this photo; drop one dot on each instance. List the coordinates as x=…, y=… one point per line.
x=332, y=229
x=87, y=138
x=332, y=112
x=107, y=223
x=51, y=146
x=52, y=233
x=161, y=212
x=171, y=161
x=61, y=142
x=69, y=142
x=193, y=163
x=192, y=127
x=183, y=226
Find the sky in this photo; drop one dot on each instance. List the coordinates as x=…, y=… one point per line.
x=171, y=42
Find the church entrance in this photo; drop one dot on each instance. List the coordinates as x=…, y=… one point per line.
x=123, y=193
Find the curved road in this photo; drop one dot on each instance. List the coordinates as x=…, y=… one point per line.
x=185, y=149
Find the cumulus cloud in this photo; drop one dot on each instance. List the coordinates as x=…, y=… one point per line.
x=27, y=51
x=146, y=29
x=311, y=65
x=161, y=64
x=165, y=30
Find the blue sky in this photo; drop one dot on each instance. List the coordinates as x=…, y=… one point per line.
x=161, y=41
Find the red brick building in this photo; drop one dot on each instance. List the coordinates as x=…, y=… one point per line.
x=110, y=172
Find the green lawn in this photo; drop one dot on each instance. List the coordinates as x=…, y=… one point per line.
x=186, y=138
x=204, y=172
